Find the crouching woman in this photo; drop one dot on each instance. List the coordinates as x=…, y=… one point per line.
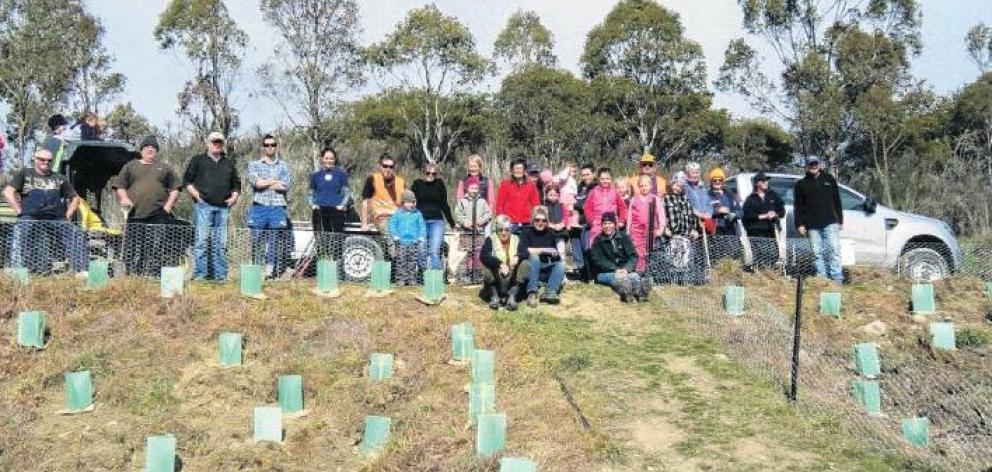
x=499, y=256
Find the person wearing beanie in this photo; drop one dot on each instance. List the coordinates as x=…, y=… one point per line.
x=408, y=232
x=148, y=189
x=615, y=259
x=725, y=204
x=539, y=253
x=213, y=183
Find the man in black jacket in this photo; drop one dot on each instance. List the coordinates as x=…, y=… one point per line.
x=615, y=259
x=214, y=184
x=763, y=210
x=820, y=215
x=539, y=250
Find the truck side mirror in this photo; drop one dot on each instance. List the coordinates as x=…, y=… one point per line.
x=869, y=205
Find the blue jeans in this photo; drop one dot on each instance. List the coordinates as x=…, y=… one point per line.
x=826, y=252
x=265, y=222
x=211, y=223
x=611, y=279
x=579, y=248
x=535, y=266
x=430, y=256
x=33, y=240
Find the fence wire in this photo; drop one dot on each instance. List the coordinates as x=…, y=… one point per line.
x=957, y=405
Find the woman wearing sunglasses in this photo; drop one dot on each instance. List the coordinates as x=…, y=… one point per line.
x=432, y=201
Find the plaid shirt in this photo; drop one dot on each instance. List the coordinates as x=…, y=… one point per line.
x=678, y=211
x=259, y=169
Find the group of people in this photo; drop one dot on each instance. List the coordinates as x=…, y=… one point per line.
x=526, y=223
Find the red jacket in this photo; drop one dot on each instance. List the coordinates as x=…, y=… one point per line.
x=516, y=200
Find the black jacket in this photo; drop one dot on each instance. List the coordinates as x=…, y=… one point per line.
x=818, y=202
x=215, y=180
x=531, y=238
x=755, y=205
x=613, y=252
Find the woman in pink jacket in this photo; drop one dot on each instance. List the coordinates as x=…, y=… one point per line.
x=603, y=199
x=639, y=219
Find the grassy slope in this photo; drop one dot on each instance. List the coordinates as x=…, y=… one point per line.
x=658, y=395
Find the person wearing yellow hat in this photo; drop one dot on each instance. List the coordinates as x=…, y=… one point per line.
x=726, y=204
x=649, y=167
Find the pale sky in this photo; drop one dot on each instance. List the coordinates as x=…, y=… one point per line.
x=154, y=76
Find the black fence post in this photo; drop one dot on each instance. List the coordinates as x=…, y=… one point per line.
x=797, y=330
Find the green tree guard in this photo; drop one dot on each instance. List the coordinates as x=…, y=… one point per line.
x=268, y=423
x=172, y=280
x=291, y=393
x=866, y=360
x=229, y=347
x=97, y=275
x=381, y=366
x=31, y=329
x=251, y=280
x=481, y=401
x=78, y=390
x=942, y=334
x=516, y=464
x=381, y=275
x=483, y=367
x=376, y=434
x=434, y=285
x=19, y=274
x=462, y=341
x=830, y=304
x=988, y=286
x=160, y=453
x=916, y=431
x=327, y=277
x=922, y=299
x=733, y=300
x=490, y=436
x=868, y=395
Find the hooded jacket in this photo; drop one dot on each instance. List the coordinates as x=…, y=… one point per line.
x=612, y=252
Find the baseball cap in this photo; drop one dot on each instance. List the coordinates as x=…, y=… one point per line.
x=216, y=136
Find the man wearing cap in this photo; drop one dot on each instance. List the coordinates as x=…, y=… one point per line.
x=615, y=258
x=819, y=215
x=649, y=167
x=381, y=195
x=44, y=201
x=763, y=210
x=269, y=178
x=517, y=196
x=725, y=204
x=148, y=190
x=696, y=192
x=213, y=182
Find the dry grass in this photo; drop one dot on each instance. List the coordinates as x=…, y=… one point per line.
x=658, y=397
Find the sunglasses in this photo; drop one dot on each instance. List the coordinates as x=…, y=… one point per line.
x=540, y=220
x=270, y=145
x=217, y=141
x=647, y=164
x=41, y=159
x=387, y=166
x=717, y=181
x=433, y=174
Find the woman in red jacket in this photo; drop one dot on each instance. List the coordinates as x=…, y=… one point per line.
x=517, y=196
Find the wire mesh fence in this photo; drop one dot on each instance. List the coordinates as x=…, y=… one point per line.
x=956, y=403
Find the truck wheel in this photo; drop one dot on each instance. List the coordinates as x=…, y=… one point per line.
x=357, y=256
x=923, y=264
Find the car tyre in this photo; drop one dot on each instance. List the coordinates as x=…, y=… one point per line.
x=923, y=264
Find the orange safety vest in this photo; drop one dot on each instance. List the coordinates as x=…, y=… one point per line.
x=383, y=205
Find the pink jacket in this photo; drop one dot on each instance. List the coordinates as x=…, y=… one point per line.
x=637, y=214
x=601, y=200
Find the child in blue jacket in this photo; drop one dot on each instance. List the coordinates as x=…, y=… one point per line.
x=408, y=231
